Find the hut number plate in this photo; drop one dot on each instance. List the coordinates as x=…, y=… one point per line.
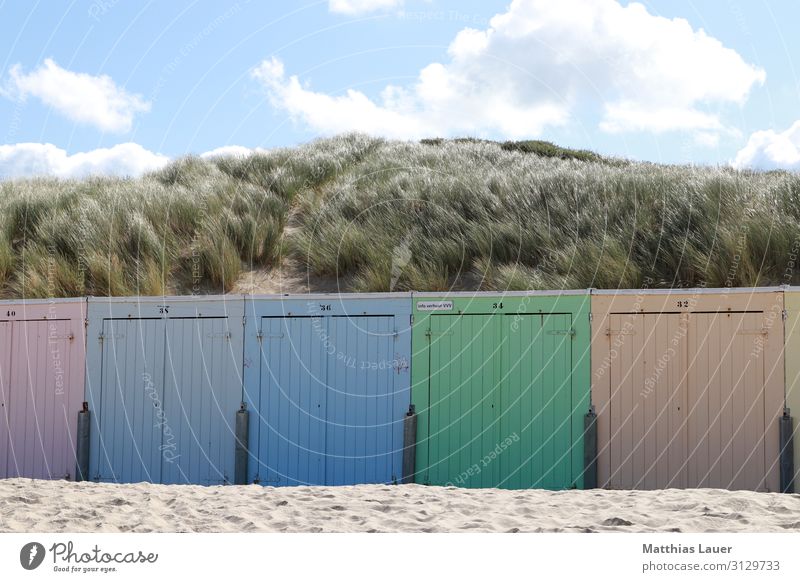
x=434, y=305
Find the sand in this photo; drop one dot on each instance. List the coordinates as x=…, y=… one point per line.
x=59, y=506
x=290, y=277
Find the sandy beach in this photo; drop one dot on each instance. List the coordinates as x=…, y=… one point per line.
x=59, y=506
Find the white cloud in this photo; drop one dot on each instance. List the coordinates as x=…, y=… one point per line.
x=26, y=160
x=230, y=151
x=80, y=97
x=351, y=112
x=770, y=150
x=356, y=7
x=628, y=116
x=542, y=64
x=44, y=159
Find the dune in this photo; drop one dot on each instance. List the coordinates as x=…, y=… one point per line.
x=58, y=506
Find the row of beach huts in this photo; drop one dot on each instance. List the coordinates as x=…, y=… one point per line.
x=626, y=389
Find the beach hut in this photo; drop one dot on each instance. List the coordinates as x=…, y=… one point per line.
x=327, y=387
x=164, y=384
x=688, y=387
x=792, y=306
x=41, y=386
x=501, y=386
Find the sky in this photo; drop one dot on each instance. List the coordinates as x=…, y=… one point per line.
x=122, y=87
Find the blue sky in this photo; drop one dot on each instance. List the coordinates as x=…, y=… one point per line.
x=127, y=85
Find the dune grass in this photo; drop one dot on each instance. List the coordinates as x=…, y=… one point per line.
x=190, y=225
x=381, y=215
x=486, y=215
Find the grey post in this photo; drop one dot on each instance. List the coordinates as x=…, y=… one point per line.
x=409, y=445
x=590, y=449
x=242, y=452
x=82, y=452
x=787, y=452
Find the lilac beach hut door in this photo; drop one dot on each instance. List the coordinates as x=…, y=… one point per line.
x=42, y=358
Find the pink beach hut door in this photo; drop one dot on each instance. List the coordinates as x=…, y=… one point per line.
x=42, y=392
x=5, y=363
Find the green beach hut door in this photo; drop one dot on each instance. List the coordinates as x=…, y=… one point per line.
x=500, y=401
x=536, y=424
x=464, y=400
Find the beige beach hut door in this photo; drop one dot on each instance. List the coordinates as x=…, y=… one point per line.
x=687, y=401
x=647, y=377
x=726, y=401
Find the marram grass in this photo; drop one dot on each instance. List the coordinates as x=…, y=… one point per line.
x=381, y=215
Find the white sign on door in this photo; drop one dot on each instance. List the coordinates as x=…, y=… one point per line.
x=434, y=305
